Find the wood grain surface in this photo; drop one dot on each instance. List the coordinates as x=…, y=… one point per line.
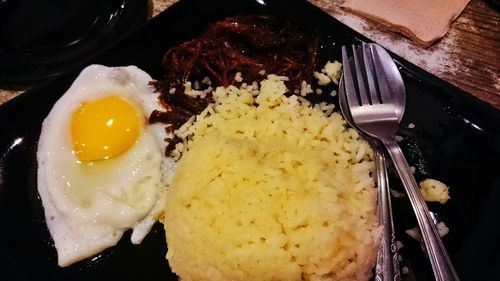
x=468, y=56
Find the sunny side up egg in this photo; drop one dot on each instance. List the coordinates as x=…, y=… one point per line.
x=101, y=169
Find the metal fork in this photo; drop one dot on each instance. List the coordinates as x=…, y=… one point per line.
x=374, y=111
x=387, y=266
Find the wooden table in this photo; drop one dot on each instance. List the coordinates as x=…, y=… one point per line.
x=468, y=56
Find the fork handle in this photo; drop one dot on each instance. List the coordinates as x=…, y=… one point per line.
x=387, y=268
x=440, y=261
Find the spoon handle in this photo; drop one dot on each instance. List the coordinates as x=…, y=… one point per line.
x=387, y=268
x=440, y=261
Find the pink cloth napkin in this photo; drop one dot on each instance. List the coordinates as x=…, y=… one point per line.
x=423, y=21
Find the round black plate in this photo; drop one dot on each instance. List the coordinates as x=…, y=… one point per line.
x=43, y=38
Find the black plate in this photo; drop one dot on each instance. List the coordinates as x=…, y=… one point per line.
x=456, y=139
x=43, y=38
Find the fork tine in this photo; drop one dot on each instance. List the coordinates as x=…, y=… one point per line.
x=349, y=87
x=363, y=95
x=383, y=86
x=371, y=75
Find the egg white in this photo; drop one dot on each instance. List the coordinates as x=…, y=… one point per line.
x=88, y=206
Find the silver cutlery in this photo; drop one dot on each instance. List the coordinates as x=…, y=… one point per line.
x=387, y=265
x=376, y=96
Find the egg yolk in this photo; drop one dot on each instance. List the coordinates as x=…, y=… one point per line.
x=104, y=128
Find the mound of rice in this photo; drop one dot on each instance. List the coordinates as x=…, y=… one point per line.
x=271, y=188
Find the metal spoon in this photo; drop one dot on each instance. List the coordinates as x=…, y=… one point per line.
x=374, y=110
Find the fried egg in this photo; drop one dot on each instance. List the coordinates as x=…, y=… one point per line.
x=100, y=163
